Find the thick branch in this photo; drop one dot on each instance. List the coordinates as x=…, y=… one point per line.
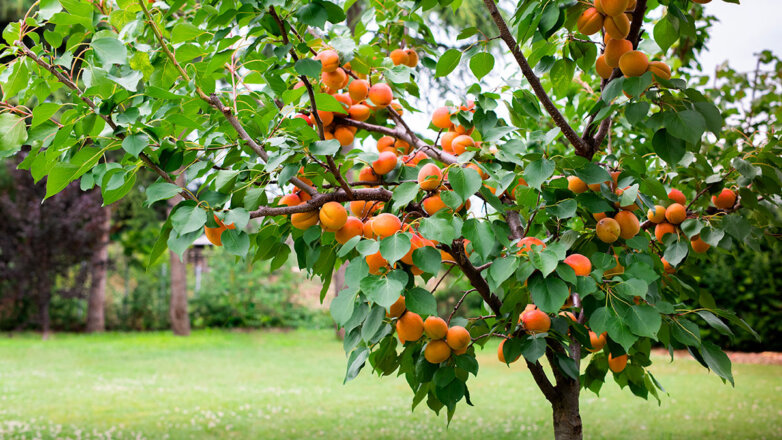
x=582, y=149
x=472, y=274
x=542, y=380
x=318, y=200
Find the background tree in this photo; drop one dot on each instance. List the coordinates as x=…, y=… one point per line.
x=558, y=160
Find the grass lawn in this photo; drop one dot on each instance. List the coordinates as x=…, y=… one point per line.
x=270, y=385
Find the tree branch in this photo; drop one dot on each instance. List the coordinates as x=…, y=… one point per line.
x=582, y=149
x=319, y=199
x=472, y=274
x=542, y=380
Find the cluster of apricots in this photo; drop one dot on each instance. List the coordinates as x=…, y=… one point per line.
x=356, y=94
x=442, y=340
x=456, y=140
x=624, y=224
x=613, y=17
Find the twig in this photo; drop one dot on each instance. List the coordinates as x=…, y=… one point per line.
x=459, y=304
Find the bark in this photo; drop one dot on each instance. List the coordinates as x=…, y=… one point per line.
x=567, y=417
x=96, y=303
x=180, y=321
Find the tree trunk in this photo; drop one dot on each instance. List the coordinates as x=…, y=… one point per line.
x=567, y=417
x=96, y=303
x=180, y=321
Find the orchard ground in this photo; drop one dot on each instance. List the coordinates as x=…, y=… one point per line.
x=276, y=385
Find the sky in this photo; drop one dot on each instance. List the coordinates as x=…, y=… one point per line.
x=743, y=30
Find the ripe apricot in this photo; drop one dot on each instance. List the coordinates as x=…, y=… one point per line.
x=576, y=185
x=526, y=243
x=612, y=7
x=381, y=95
x=326, y=117
x=580, y=264
x=412, y=58
x=663, y=228
x=376, y=262
x=329, y=60
x=441, y=118
x=353, y=227
x=333, y=80
x=344, y=135
x=410, y=326
x=608, y=230
x=598, y=342
x=698, y=245
x=386, y=143
x=345, y=99
x=215, y=234
x=415, y=242
x=602, y=68
x=615, y=49
x=433, y=204
x=460, y=144
x=618, y=27
x=303, y=220
x=599, y=216
x=305, y=117
x=617, y=364
x=590, y=22
x=446, y=141
x=359, y=112
x=367, y=174
x=667, y=266
x=660, y=70
x=437, y=351
x=385, y=225
x=657, y=215
x=358, y=90
x=677, y=196
x=457, y=337
x=501, y=355
x=332, y=216
x=397, y=308
x=401, y=146
x=290, y=200
x=362, y=208
x=634, y=63
x=368, y=233
x=429, y=177
x=398, y=56
x=569, y=314
x=385, y=163
x=629, y=226
x=435, y=327
x=478, y=170
x=536, y=321
x=675, y=213
x=725, y=199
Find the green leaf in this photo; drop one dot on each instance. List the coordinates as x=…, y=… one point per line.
x=428, y=259
x=135, y=144
x=404, y=194
x=447, y=62
x=666, y=32
x=160, y=191
x=327, y=102
x=545, y=261
x=691, y=227
x=44, y=111
x=439, y=229
x=637, y=85
x=538, y=171
x=687, y=124
x=373, y=322
x=185, y=31
x=394, y=247
x=464, y=181
x=670, y=149
x=313, y=14
x=562, y=75
x=592, y=173
x=383, y=290
x=481, y=64
x=421, y=301
x=643, y=320
x=308, y=67
x=533, y=349
x=481, y=235
x=502, y=268
x=563, y=209
x=13, y=132
x=676, y=252
x=745, y=168
x=325, y=148
x=236, y=242
x=110, y=50
x=717, y=361
x=47, y=8
x=342, y=305
x=636, y=111
x=188, y=217
x=64, y=173
x=549, y=294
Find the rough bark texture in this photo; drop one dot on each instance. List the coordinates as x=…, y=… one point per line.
x=96, y=302
x=180, y=321
x=567, y=418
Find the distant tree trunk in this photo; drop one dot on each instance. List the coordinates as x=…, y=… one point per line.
x=180, y=321
x=96, y=303
x=44, y=299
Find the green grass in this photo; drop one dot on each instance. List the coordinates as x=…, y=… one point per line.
x=269, y=385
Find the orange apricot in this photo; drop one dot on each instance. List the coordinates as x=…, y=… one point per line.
x=576, y=185
x=329, y=60
x=675, y=213
x=634, y=63
x=429, y=177
x=367, y=174
x=580, y=264
x=629, y=226
x=433, y=204
x=359, y=112
x=333, y=216
x=608, y=230
x=617, y=364
x=353, y=227
x=437, y=351
x=725, y=199
x=597, y=342
x=385, y=225
x=667, y=266
x=363, y=208
x=345, y=99
x=602, y=68
x=660, y=70
x=303, y=220
x=376, y=262
x=334, y=80
x=677, y=196
x=618, y=26
x=613, y=7
x=381, y=95
x=290, y=200
x=698, y=245
x=358, y=90
x=663, y=228
x=615, y=49
x=397, y=308
x=501, y=355
x=398, y=56
x=386, y=143
x=412, y=58
x=214, y=235
x=657, y=215
x=460, y=144
x=599, y=216
x=441, y=118
x=385, y=163
x=368, y=233
x=526, y=243
x=435, y=327
x=446, y=141
x=410, y=326
x=590, y=22
x=326, y=117
x=457, y=337
x=536, y=321
x=344, y=135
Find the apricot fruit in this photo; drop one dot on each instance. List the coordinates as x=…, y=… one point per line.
x=329, y=60
x=376, y=262
x=344, y=135
x=526, y=243
x=358, y=90
x=353, y=228
x=410, y=326
x=698, y=245
x=656, y=215
x=386, y=225
x=386, y=143
x=290, y=200
x=608, y=230
x=398, y=56
x=617, y=364
x=457, y=337
x=367, y=174
x=433, y=204
x=460, y=144
x=381, y=95
x=359, y=112
x=501, y=355
x=667, y=266
x=446, y=141
x=725, y=199
x=215, y=234
x=333, y=80
x=435, y=327
x=385, y=163
x=618, y=26
x=397, y=308
x=663, y=228
x=612, y=7
x=629, y=226
x=615, y=49
x=441, y=118
x=429, y=177
x=580, y=264
x=599, y=216
x=677, y=196
x=660, y=70
x=576, y=185
x=368, y=233
x=304, y=220
x=332, y=216
x=362, y=208
x=602, y=68
x=536, y=321
x=597, y=342
x=437, y=351
x=675, y=213
x=634, y=63
x=590, y=22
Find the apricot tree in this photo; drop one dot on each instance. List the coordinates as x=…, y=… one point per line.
x=567, y=196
